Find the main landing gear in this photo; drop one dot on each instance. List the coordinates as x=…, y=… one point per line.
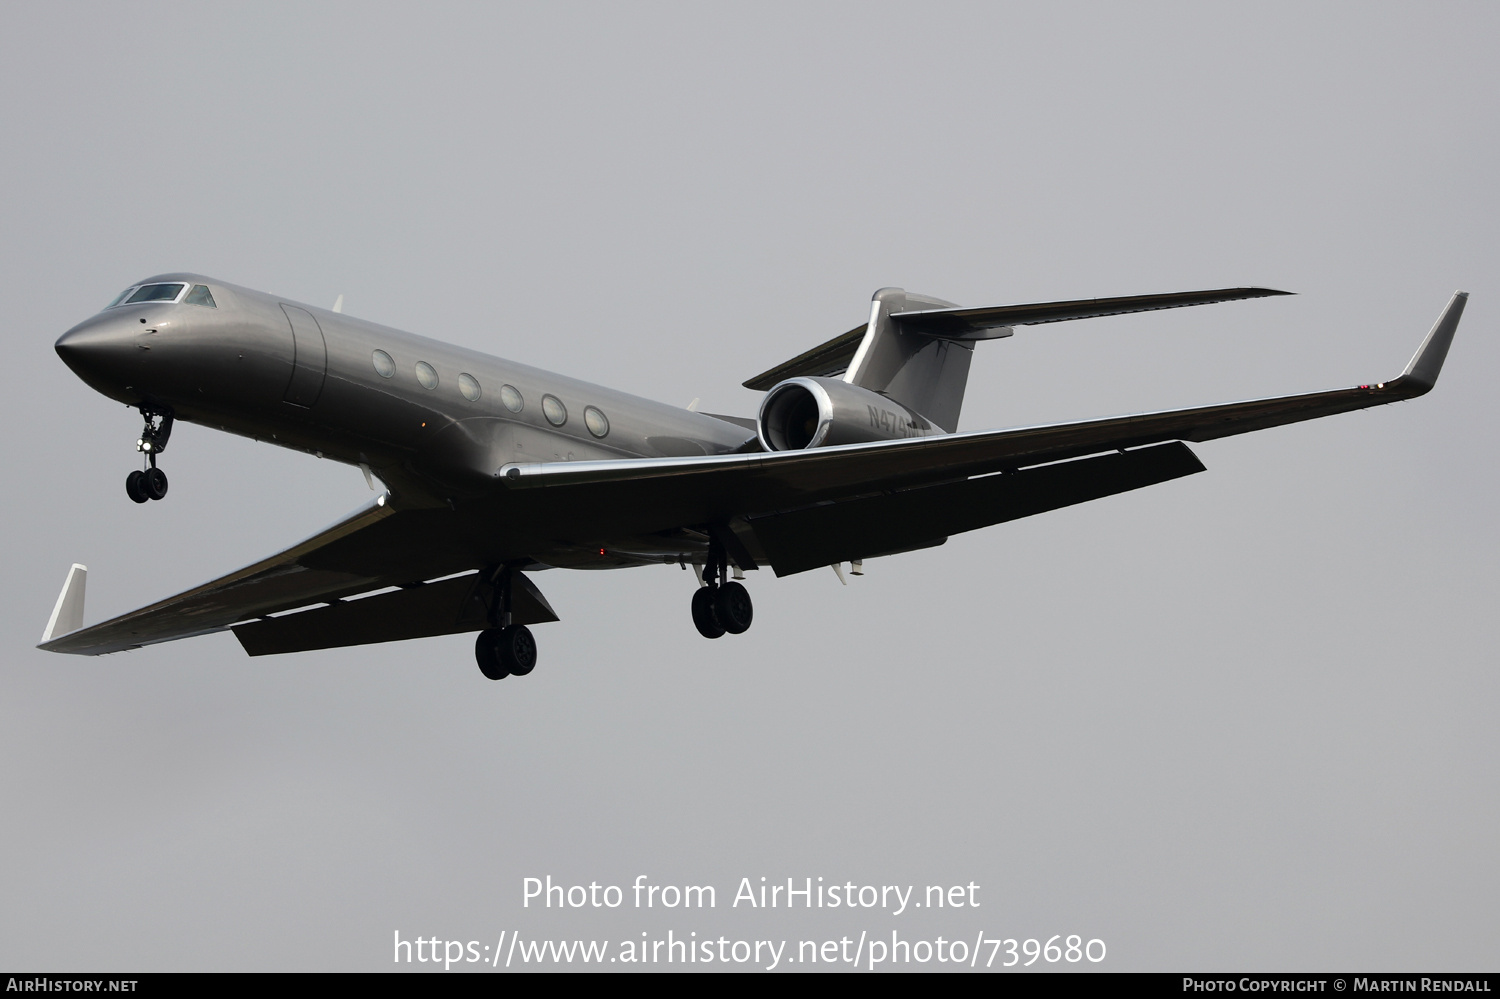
x=721, y=605
x=504, y=649
x=151, y=483
x=507, y=651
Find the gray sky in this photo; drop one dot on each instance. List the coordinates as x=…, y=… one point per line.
x=1242, y=720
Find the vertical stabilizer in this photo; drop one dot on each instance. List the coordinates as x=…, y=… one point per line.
x=926, y=373
x=67, y=613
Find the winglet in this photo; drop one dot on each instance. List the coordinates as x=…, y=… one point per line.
x=1421, y=374
x=67, y=614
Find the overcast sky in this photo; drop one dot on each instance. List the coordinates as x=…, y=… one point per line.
x=1241, y=720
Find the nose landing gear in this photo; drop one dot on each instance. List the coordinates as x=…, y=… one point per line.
x=150, y=483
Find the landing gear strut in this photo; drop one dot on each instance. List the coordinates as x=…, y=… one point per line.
x=504, y=649
x=721, y=606
x=151, y=483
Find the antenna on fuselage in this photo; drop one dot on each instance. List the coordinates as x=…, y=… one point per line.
x=338, y=305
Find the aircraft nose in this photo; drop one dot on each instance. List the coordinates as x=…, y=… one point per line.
x=99, y=349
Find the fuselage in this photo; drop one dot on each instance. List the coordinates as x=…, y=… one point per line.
x=434, y=420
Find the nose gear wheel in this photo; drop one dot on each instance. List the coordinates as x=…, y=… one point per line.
x=146, y=484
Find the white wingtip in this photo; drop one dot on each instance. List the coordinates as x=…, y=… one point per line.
x=67, y=613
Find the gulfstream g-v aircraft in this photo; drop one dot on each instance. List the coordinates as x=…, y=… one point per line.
x=494, y=469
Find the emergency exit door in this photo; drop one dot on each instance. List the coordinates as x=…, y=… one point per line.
x=310, y=364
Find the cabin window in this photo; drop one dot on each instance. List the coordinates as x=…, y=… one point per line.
x=155, y=293
x=553, y=409
x=427, y=375
x=596, y=421
x=384, y=366
x=511, y=398
x=200, y=295
x=469, y=386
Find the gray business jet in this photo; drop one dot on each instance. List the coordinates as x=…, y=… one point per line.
x=494, y=469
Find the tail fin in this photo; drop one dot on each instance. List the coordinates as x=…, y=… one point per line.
x=927, y=373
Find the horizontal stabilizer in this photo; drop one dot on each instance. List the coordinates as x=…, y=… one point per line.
x=810, y=538
x=972, y=324
x=823, y=361
x=743, y=422
x=833, y=357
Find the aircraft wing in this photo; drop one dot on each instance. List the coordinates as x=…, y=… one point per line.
x=632, y=496
x=375, y=548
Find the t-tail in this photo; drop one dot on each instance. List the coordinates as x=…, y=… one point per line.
x=904, y=372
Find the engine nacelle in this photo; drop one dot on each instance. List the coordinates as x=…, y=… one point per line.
x=820, y=412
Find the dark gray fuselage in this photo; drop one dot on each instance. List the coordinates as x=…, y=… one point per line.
x=306, y=378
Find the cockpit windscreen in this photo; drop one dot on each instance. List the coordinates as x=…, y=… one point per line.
x=138, y=293
x=148, y=293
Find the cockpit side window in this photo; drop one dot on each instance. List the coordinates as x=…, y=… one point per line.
x=119, y=298
x=200, y=295
x=155, y=293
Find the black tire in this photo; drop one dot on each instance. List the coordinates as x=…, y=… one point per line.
x=733, y=608
x=487, y=654
x=517, y=649
x=134, y=488
x=154, y=483
x=704, y=616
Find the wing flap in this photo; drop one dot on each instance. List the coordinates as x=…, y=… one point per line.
x=446, y=607
x=798, y=540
